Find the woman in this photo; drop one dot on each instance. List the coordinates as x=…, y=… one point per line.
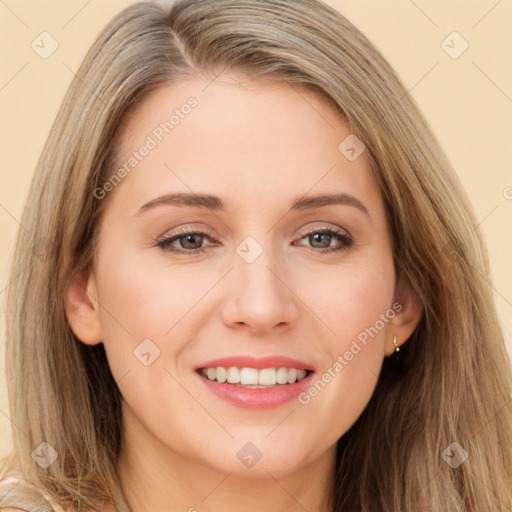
x=251, y=279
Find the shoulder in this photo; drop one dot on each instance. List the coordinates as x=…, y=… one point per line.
x=17, y=494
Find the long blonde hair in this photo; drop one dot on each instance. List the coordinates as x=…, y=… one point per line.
x=456, y=386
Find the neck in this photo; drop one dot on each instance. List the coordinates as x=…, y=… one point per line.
x=157, y=479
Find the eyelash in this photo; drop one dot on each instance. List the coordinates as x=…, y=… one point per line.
x=165, y=244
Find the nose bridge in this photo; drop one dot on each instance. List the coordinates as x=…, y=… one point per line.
x=254, y=266
x=262, y=299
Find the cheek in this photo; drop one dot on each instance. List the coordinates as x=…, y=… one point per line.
x=145, y=298
x=349, y=299
x=136, y=305
x=355, y=308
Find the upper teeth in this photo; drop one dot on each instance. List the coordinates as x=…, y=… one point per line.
x=264, y=377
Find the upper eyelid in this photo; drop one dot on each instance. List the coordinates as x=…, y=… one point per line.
x=316, y=225
x=201, y=230
x=185, y=231
x=326, y=227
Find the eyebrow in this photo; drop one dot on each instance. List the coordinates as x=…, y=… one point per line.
x=211, y=202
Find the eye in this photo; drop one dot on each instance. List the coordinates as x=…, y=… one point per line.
x=190, y=242
x=321, y=239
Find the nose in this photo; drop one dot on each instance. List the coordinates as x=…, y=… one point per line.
x=260, y=299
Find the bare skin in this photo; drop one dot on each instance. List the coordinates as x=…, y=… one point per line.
x=257, y=148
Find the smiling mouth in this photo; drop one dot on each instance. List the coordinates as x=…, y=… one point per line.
x=247, y=377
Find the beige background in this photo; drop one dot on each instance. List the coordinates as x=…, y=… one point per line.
x=468, y=101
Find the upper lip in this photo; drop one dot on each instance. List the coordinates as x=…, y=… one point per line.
x=274, y=361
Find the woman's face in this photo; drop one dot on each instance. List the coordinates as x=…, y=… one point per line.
x=242, y=271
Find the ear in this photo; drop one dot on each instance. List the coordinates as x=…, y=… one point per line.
x=82, y=308
x=407, y=318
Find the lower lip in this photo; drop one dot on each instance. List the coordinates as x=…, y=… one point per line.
x=257, y=398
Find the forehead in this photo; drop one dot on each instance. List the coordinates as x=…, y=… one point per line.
x=237, y=140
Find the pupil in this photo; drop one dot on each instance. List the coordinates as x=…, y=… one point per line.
x=316, y=237
x=192, y=238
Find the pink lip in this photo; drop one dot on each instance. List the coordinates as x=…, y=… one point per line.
x=257, y=398
x=256, y=362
